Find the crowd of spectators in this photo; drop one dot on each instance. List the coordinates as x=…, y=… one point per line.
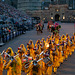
x=9, y=13
x=12, y=19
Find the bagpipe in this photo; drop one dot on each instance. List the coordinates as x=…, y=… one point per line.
x=26, y=61
x=46, y=59
x=4, y=54
x=8, y=59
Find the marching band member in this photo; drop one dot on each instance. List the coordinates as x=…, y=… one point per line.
x=13, y=66
x=28, y=53
x=18, y=66
x=67, y=37
x=63, y=38
x=48, y=39
x=73, y=45
x=61, y=59
x=73, y=42
x=20, y=52
x=37, y=43
x=51, y=57
x=55, y=59
x=1, y=65
x=37, y=50
x=23, y=48
x=57, y=39
x=68, y=48
x=40, y=59
x=31, y=43
x=57, y=52
x=43, y=42
x=35, y=68
x=60, y=55
x=56, y=63
x=47, y=64
x=38, y=65
x=30, y=47
x=6, y=65
x=26, y=60
x=64, y=49
x=74, y=36
x=10, y=51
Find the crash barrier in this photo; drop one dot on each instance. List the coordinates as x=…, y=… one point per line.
x=9, y=36
x=8, y=32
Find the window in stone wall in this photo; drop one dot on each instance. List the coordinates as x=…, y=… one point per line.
x=30, y=0
x=62, y=13
x=51, y=13
x=57, y=10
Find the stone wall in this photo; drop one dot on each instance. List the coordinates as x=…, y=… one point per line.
x=65, y=15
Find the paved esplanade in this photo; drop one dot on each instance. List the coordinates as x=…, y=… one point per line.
x=68, y=67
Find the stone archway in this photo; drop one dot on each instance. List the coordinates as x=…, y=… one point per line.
x=57, y=17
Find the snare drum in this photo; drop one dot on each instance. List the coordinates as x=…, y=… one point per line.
x=47, y=61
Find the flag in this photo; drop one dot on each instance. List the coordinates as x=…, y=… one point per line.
x=30, y=59
x=23, y=60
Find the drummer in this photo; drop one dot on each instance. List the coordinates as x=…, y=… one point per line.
x=10, y=51
x=57, y=39
x=73, y=45
x=20, y=52
x=30, y=46
x=43, y=43
x=55, y=60
x=14, y=66
x=7, y=65
x=46, y=64
x=1, y=65
x=23, y=48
